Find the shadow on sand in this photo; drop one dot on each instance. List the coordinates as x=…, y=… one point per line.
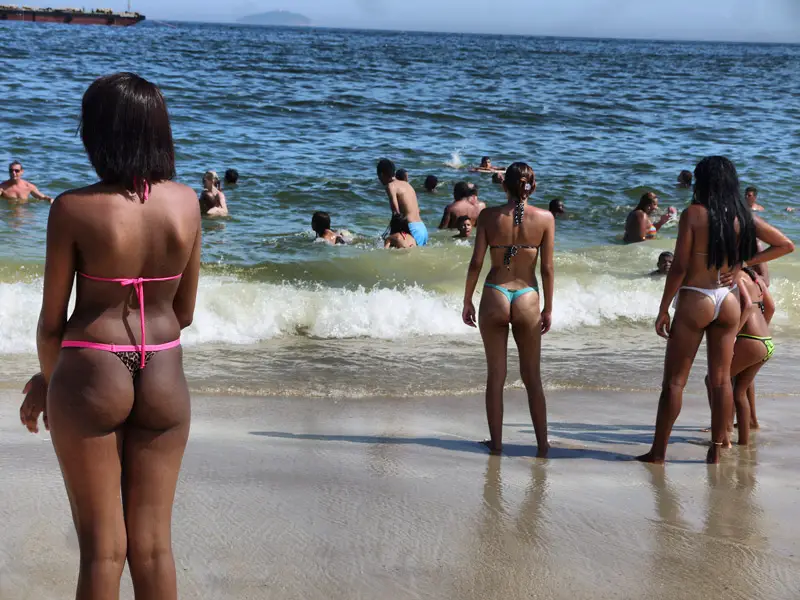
x=453, y=445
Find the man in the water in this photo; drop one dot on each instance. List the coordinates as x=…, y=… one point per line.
x=402, y=175
x=431, y=183
x=486, y=167
x=751, y=196
x=557, y=207
x=402, y=200
x=685, y=179
x=664, y=264
x=465, y=203
x=464, y=225
x=231, y=177
x=16, y=188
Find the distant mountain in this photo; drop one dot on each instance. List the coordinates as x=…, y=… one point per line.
x=277, y=17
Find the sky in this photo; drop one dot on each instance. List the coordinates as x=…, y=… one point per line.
x=735, y=20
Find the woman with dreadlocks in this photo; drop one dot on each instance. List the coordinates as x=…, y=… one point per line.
x=716, y=237
x=516, y=235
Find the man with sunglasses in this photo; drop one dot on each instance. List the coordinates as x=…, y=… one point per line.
x=16, y=188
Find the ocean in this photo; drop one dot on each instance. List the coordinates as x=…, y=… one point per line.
x=304, y=114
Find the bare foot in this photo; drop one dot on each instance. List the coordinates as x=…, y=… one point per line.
x=650, y=458
x=705, y=430
x=541, y=452
x=494, y=451
x=754, y=425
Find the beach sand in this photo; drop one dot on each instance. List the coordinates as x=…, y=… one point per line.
x=379, y=498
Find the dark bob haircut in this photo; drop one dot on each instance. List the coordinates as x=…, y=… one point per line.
x=126, y=132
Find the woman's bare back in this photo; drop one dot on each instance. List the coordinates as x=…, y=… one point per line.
x=117, y=236
x=501, y=233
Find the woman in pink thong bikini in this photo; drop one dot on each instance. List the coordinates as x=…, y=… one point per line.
x=716, y=236
x=111, y=385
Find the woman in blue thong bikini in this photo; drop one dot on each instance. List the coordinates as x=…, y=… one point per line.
x=515, y=235
x=716, y=236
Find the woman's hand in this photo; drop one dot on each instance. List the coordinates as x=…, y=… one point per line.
x=35, y=403
x=727, y=279
x=468, y=314
x=662, y=325
x=547, y=321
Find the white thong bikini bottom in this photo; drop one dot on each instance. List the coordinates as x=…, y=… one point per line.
x=717, y=296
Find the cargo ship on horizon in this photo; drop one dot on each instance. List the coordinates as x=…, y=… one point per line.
x=72, y=16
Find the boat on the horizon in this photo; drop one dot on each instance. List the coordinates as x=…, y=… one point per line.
x=72, y=16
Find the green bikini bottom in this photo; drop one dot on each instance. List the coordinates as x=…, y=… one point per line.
x=767, y=341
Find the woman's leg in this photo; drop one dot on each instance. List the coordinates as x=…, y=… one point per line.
x=526, y=325
x=694, y=313
x=90, y=396
x=493, y=321
x=720, y=341
x=751, y=398
x=155, y=438
x=743, y=383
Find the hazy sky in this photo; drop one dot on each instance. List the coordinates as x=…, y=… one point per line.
x=751, y=20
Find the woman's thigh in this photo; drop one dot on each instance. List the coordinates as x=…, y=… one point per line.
x=155, y=439
x=89, y=398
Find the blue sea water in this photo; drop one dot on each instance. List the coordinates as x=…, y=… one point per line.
x=303, y=115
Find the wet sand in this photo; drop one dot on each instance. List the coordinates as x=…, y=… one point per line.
x=375, y=498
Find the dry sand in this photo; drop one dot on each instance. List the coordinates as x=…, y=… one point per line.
x=374, y=499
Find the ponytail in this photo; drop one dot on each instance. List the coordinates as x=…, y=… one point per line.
x=520, y=181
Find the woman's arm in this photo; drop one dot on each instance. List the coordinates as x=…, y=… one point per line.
x=59, y=275
x=474, y=271
x=779, y=244
x=745, y=301
x=546, y=250
x=677, y=272
x=186, y=297
x=769, y=305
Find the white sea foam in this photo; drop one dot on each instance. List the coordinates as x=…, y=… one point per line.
x=236, y=312
x=455, y=162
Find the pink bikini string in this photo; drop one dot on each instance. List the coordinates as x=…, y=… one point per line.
x=145, y=188
x=137, y=285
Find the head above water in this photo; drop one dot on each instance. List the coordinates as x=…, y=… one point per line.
x=210, y=180
x=716, y=187
x=126, y=131
x=402, y=175
x=464, y=190
x=431, y=182
x=648, y=202
x=464, y=225
x=685, y=179
x=556, y=206
x=399, y=224
x=386, y=170
x=320, y=222
x=15, y=170
x=665, y=262
x=751, y=195
x=231, y=176
x=486, y=163
x=520, y=182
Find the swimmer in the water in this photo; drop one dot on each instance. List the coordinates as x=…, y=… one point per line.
x=638, y=226
x=486, y=167
x=751, y=196
x=321, y=224
x=465, y=202
x=685, y=179
x=16, y=188
x=464, y=225
x=431, y=183
x=402, y=200
x=212, y=199
x=557, y=207
x=399, y=234
x=664, y=264
x=402, y=175
x=231, y=177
